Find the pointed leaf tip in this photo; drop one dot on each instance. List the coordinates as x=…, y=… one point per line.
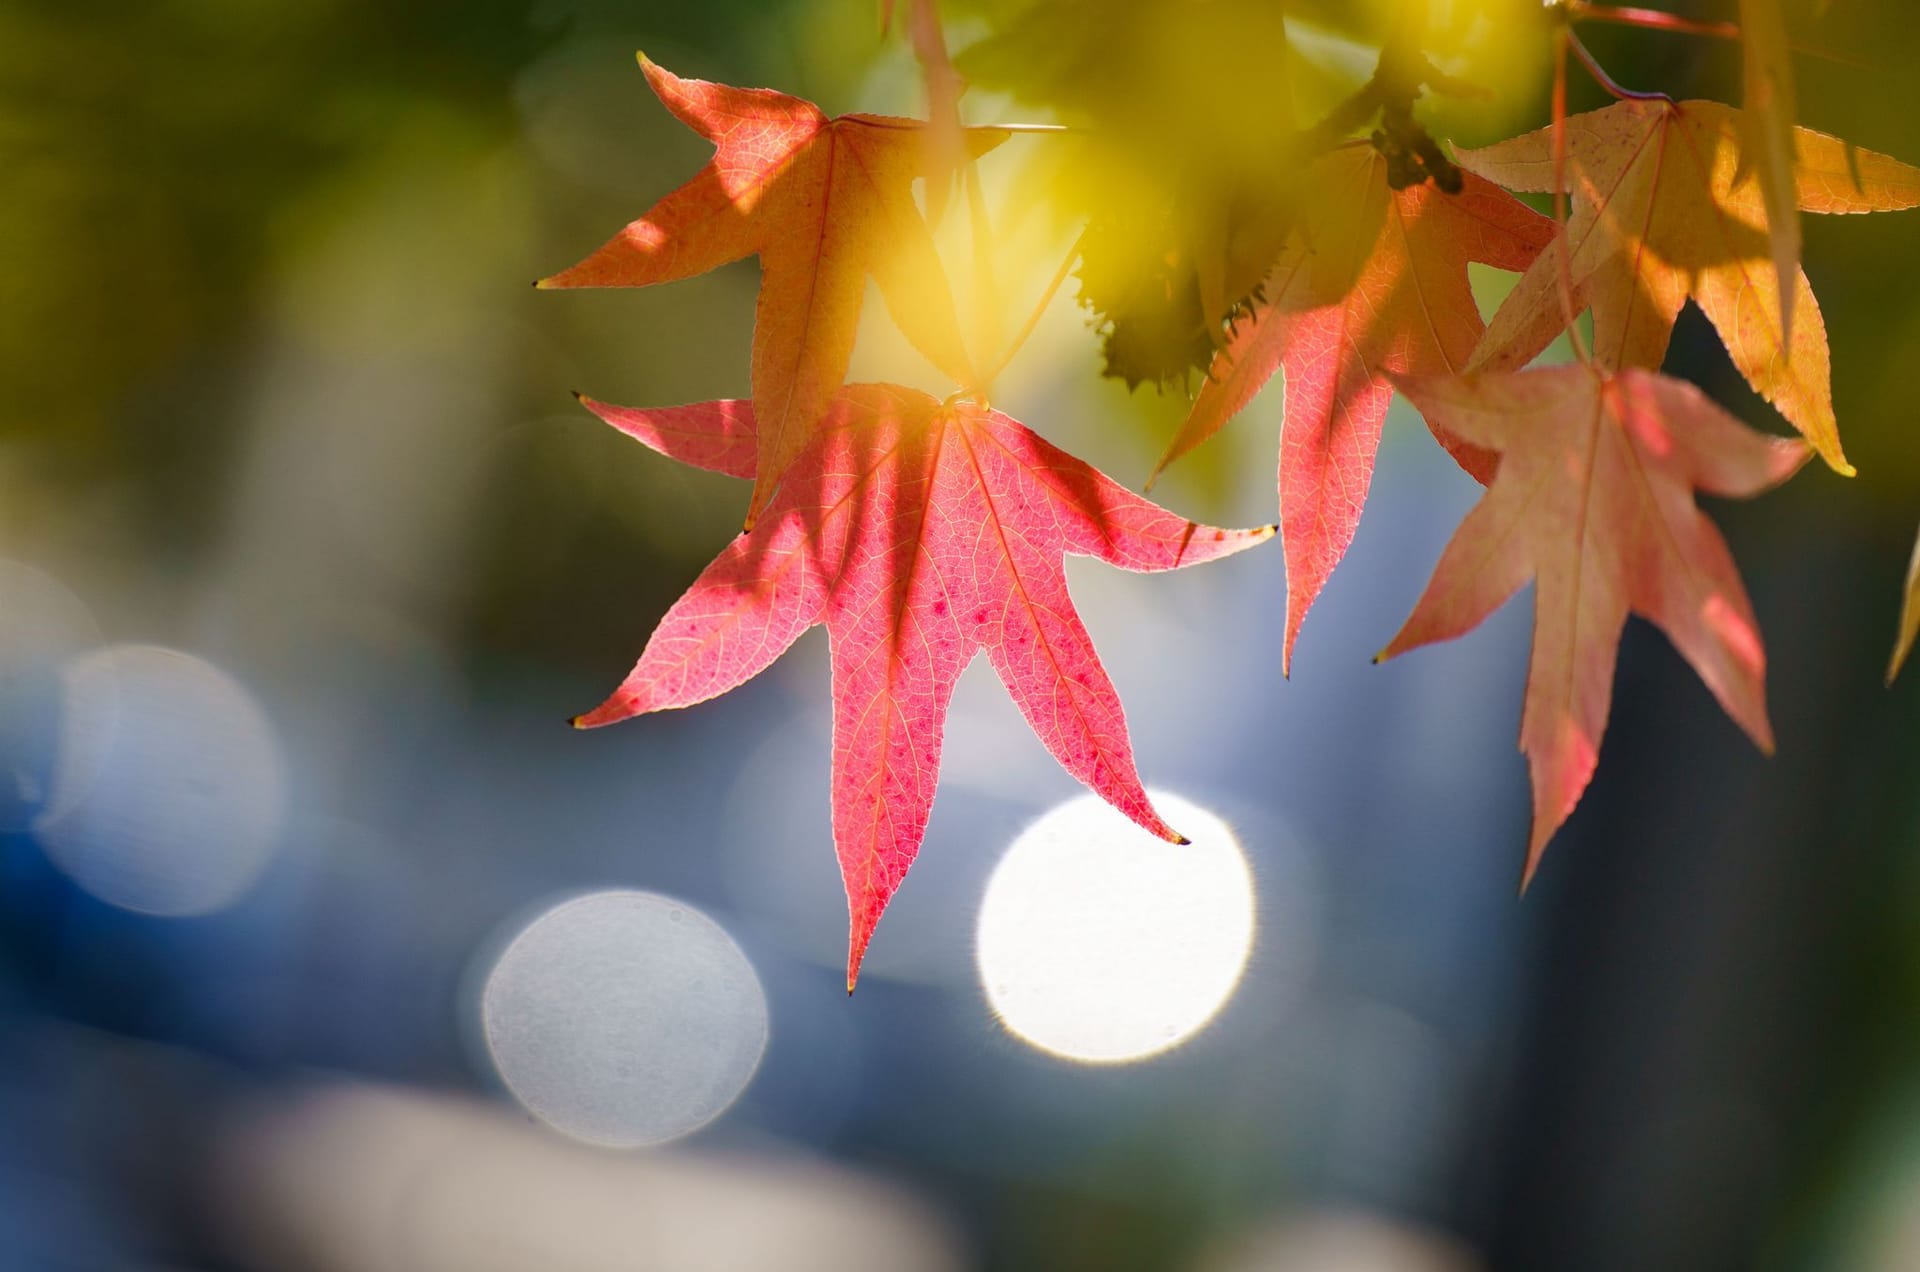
x=1535, y=852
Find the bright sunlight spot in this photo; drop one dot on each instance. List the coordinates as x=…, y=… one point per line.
x=1101, y=943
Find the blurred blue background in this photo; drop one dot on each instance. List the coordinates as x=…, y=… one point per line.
x=306, y=556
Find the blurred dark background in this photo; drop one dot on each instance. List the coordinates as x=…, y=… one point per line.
x=306, y=555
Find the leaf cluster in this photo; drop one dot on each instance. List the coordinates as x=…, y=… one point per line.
x=1226, y=237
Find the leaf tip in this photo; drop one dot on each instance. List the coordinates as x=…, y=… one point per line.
x=1903, y=645
x=1527, y=872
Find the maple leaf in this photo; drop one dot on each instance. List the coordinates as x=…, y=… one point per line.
x=1593, y=501
x=1767, y=138
x=1377, y=287
x=919, y=533
x=1662, y=213
x=824, y=203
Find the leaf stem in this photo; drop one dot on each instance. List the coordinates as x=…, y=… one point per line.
x=1601, y=77
x=1562, y=248
x=1033, y=319
x=1649, y=19
x=986, y=281
x=1659, y=20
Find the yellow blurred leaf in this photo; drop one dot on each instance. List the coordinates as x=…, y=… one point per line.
x=1767, y=138
x=1909, y=617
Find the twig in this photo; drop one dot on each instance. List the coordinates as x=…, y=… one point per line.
x=1563, y=247
x=1601, y=77
x=1650, y=19
x=1033, y=319
x=986, y=282
x=1659, y=20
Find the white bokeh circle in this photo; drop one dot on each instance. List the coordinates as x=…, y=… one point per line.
x=624, y=1018
x=1101, y=943
x=169, y=790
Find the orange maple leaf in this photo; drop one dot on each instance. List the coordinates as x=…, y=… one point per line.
x=824, y=203
x=1662, y=212
x=1376, y=285
x=1594, y=502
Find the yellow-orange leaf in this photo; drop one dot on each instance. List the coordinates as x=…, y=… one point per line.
x=1662, y=212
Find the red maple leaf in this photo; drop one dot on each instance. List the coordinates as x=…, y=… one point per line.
x=1378, y=286
x=824, y=203
x=919, y=533
x=1594, y=502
